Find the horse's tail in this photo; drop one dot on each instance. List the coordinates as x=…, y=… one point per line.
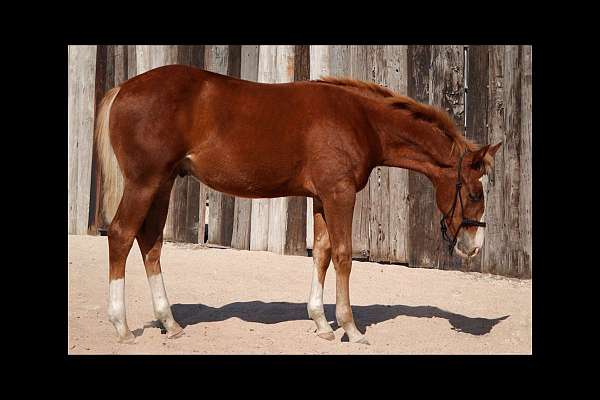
x=112, y=188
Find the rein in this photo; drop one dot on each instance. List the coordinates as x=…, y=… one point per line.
x=465, y=221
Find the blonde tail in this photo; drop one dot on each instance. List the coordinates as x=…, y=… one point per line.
x=112, y=188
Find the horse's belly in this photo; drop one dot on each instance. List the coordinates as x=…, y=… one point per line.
x=246, y=176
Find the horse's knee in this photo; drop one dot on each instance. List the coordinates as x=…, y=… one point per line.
x=119, y=237
x=120, y=240
x=342, y=257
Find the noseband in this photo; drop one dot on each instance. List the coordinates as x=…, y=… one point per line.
x=465, y=221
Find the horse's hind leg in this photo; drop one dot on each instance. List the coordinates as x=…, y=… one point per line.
x=130, y=215
x=150, y=238
x=321, y=259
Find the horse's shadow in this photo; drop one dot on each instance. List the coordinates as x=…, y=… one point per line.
x=275, y=312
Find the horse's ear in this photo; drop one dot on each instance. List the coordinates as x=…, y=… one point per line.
x=477, y=160
x=492, y=151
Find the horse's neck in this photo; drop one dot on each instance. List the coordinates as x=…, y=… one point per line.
x=411, y=144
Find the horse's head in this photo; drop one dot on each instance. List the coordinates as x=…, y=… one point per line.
x=460, y=196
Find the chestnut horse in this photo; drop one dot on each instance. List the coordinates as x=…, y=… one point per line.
x=315, y=138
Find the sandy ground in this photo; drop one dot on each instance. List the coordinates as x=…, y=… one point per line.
x=241, y=302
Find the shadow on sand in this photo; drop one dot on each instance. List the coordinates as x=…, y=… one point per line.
x=275, y=312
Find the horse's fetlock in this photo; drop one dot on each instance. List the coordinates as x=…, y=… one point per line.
x=315, y=311
x=114, y=314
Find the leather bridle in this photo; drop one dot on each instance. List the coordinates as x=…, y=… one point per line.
x=465, y=221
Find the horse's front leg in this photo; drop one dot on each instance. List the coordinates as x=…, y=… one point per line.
x=321, y=260
x=339, y=207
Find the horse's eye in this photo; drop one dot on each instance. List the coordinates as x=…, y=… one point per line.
x=476, y=197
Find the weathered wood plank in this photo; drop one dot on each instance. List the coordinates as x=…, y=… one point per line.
x=221, y=205
x=526, y=190
x=339, y=60
x=149, y=57
x=177, y=211
x=202, y=217
x=515, y=260
x=447, y=92
x=477, y=94
x=495, y=236
x=242, y=211
x=396, y=78
x=507, y=249
x=295, y=235
x=422, y=227
x=319, y=67
x=443, y=67
x=81, y=107
x=131, y=62
x=310, y=224
x=388, y=186
x=121, y=66
x=259, y=225
x=319, y=61
x=378, y=185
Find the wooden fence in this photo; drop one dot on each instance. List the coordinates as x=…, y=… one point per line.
x=487, y=89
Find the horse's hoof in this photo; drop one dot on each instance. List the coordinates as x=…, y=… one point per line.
x=326, y=335
x=176, y=334
x=362, y=340
x=129, y=339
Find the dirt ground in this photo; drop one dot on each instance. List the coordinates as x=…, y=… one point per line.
x=241, y=302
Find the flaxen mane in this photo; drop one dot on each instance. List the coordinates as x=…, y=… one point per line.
x=434, y=115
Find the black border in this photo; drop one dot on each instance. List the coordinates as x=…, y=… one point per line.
x=54, y=154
